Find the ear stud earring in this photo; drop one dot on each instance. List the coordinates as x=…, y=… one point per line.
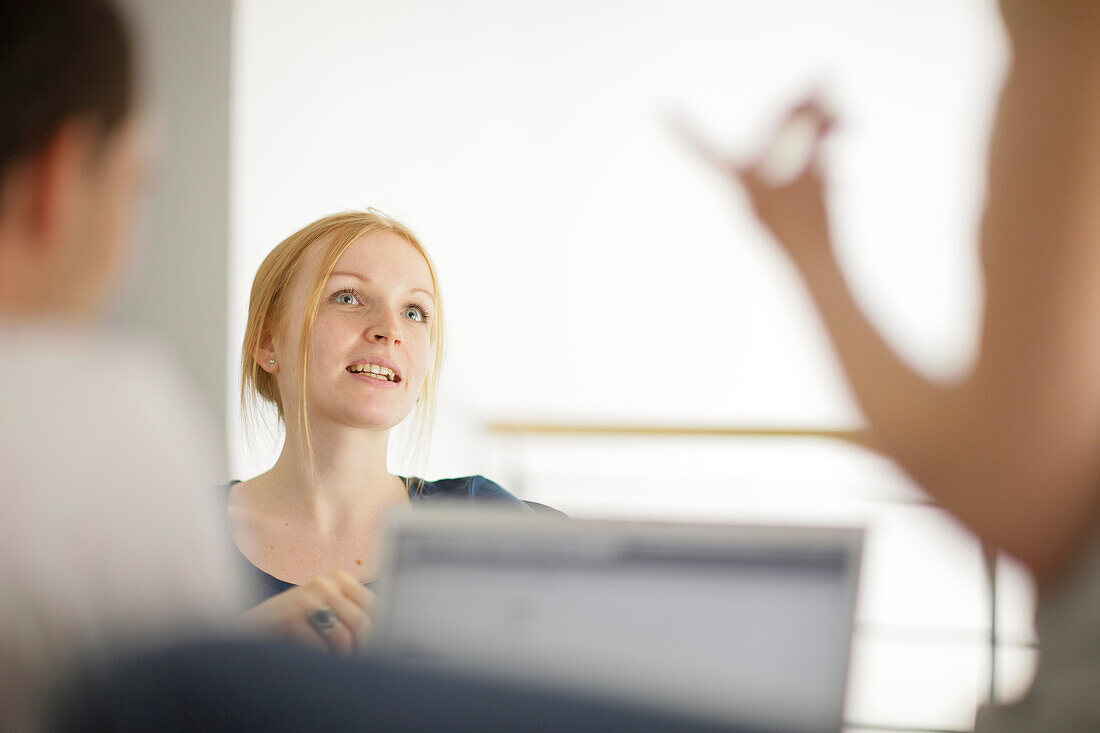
x=271, y=363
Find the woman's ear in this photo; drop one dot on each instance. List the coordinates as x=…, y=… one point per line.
x=265, y=354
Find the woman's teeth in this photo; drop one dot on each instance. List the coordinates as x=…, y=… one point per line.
x=374, y=370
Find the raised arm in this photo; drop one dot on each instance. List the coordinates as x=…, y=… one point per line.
x=1014, y=449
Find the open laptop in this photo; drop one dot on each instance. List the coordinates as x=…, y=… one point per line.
x=747, y=626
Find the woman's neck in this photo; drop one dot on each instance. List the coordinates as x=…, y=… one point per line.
x=346, y=479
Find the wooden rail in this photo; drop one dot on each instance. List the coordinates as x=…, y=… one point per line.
x=857, y=437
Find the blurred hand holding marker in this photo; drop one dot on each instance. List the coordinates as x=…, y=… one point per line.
x=784, y=180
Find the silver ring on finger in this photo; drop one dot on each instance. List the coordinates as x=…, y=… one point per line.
x=323, y=620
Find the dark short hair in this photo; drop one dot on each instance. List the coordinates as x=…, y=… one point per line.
x=60, y=59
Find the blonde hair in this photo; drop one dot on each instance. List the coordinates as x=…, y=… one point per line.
x=267, y=313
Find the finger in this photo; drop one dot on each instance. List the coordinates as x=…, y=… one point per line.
x=347, y=599
x=690, y=135
x=339, y=638
x=793, y=151
x=300, y=630
x=813, y=106
x=325, y=591
x=337, y=633
x=370, y=600
x=283, y=614
x=810, y=109
x=324, y=586
x=353, y=590
x=352, y=617
x=826, y=123
x=366, y=631
x=364, y=599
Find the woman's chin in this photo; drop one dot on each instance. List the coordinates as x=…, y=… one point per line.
x=376, y=421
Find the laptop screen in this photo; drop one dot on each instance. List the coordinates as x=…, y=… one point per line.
x=745, y=625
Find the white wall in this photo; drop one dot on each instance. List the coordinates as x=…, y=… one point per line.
x=591, y=267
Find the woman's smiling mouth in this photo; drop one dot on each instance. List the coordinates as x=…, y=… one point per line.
x=375, y=371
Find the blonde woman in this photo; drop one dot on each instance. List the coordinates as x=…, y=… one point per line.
x=345, y=339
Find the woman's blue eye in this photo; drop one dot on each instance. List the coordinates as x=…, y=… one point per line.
x=415, y=314
x=346, y=297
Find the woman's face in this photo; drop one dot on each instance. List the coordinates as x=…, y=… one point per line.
x=372, y=338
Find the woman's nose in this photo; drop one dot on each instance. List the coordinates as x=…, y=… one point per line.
x=385, y=328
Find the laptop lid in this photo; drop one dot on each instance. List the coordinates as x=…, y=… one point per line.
x=745, y=625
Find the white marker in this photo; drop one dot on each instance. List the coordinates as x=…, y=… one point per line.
x=792, y=150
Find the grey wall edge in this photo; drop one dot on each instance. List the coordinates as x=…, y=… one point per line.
x=180, y=291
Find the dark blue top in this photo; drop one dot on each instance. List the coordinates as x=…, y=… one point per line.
x=464, y=488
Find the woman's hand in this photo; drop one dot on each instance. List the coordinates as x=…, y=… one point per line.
x=1011, y=448
x=300, y=613
x=784, y=181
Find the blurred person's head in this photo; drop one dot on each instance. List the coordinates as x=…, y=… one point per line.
x=72, y=155
x=345, y=328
